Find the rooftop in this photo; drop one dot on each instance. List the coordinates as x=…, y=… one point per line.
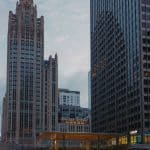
x=68, y=91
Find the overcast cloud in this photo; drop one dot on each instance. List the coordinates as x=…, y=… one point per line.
x=66, y=33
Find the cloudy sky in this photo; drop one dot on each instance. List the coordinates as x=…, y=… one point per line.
x=66, y=33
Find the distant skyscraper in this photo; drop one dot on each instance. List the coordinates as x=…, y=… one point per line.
x=22, y=110
x=120, y=66
x=50, y=94
x=67, y=97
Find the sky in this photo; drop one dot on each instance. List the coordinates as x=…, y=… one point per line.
x=67, y=33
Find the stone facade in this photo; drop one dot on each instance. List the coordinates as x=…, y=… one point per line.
x=50, y=94
x=24, y=100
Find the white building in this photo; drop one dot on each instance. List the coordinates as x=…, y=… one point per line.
x=67, y=97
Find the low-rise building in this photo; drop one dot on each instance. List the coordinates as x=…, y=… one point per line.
x=73, y=119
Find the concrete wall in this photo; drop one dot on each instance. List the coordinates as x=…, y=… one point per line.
x=16, y=147
x=7, y=147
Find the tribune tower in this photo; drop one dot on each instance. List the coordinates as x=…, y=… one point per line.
x=22, y=105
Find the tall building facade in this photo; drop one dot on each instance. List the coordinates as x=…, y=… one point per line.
x=68, y=97
x=32, y=83
x=89, y=90
x=120, y=66
x=50, y=94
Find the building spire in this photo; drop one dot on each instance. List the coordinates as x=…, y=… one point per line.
x=26, y=2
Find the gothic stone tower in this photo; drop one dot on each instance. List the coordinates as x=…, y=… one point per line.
x=22, y=106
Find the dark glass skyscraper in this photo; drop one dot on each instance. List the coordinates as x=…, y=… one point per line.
x=120, y=66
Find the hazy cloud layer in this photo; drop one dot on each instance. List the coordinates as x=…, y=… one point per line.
x=66, y=33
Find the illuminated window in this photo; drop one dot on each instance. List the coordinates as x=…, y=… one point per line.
x=147, y=139
x=146, y=74
x=123, y=140
x=133, y=139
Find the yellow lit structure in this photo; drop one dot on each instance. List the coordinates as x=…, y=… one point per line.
x=87, y=138
x=123, y=140
x=76, y=121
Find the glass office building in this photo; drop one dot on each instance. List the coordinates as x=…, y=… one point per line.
x=120, y=66
x=73, y=119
